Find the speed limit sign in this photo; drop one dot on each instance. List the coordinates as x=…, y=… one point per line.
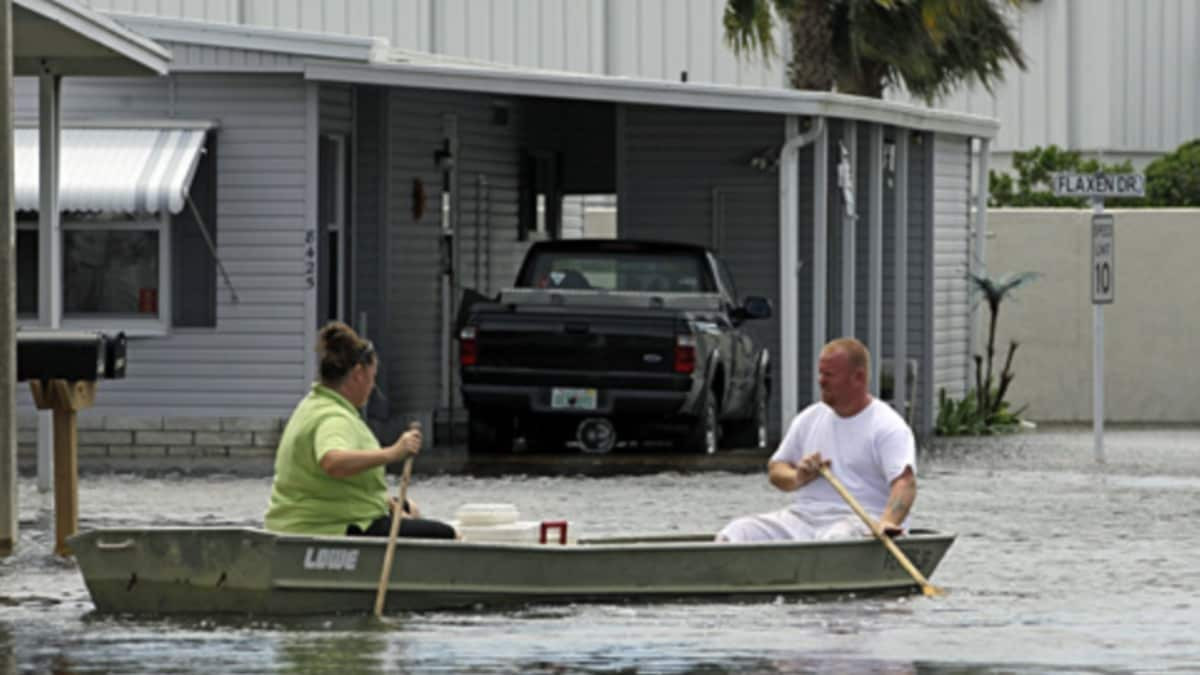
x=1102, y=272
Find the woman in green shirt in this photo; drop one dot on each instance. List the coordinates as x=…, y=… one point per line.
x=329, y=468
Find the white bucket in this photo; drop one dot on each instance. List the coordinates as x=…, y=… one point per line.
x=498, y=523
x=472, y=515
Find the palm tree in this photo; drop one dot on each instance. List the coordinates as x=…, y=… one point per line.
x=993, y=292
x=863, y=46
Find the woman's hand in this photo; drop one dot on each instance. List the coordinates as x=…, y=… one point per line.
x=408, y=445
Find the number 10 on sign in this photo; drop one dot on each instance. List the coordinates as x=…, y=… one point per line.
x=1102, y=259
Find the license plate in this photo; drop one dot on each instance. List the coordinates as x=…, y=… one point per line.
x=562, y=398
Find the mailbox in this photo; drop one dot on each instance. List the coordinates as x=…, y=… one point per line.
x=114, y=357
x=69, y=355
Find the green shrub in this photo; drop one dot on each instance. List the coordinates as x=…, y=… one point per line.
x=1174, y=179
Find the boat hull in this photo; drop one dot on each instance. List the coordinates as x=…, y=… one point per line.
x=251, y=571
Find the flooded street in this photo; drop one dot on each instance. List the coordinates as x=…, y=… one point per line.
x=1061, y=564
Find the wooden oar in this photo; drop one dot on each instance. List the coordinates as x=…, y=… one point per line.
x=397, y=515
x=926, y=587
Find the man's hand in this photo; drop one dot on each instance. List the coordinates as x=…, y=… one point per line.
x=890, y=529
x=809, y=468
x=789, y=476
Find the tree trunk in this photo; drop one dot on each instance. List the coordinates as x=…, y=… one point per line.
x=813, y=64
x=867, y=82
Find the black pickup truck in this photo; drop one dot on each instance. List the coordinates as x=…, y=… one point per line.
x=607, y=340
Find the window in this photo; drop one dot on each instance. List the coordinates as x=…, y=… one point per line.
x=618, y=271
x=111, y=272
x=138, y=273
x=27, y=268
x=115, y=268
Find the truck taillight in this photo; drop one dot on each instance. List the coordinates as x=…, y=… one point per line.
x=685, y=353
x=468, y=349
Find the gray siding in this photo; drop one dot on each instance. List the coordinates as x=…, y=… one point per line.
x=415, y=124
x=687, y=177
x=951, y=251
x=252, y=363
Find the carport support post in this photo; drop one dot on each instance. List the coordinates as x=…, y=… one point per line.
x=8, y=300
x=820, y=257
x=49, y=244
x=848, y=182
x=875, y=255
x=900, y=279
x=1098, y=361
x=789, y=272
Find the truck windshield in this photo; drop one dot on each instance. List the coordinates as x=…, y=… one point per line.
x=618, y=271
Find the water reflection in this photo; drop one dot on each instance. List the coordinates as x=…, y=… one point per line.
x=349, y=651
x=8, y=657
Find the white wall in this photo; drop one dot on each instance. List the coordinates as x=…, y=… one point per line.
x=1150, y=329
x=1104, y=76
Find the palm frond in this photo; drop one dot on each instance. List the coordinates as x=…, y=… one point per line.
x=749, y=24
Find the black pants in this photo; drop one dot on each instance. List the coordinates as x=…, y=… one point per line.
x=420, y=528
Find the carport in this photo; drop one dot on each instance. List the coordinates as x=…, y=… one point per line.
x=864, y=203
x=50, y=40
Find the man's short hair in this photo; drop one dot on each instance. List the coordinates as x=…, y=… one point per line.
x=856, y=351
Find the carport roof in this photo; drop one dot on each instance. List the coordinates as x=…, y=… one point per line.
x=347, y=59
x=61, y=37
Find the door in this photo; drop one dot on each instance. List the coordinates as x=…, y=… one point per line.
x=333, y=248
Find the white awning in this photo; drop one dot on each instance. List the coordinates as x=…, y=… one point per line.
x=124, y=170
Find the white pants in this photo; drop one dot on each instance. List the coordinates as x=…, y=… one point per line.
x=786, y=524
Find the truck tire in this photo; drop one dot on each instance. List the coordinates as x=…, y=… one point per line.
x=488, y=434
x=751, y=432
x=705, y=435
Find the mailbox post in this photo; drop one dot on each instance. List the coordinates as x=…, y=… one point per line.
x=66, y=398
x=62, y=369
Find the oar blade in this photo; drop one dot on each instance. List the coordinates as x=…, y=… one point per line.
x=932, y=591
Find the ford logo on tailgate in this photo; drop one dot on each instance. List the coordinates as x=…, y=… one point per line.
x=652, y=358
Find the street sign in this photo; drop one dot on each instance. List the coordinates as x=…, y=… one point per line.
x=1099, y=184
x=1103, y=270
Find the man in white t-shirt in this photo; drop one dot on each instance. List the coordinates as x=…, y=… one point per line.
x=863, y=442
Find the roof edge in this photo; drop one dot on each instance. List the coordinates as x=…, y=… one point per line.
x=639, y=91
x=256, y=38
x=122, y=123
x=104, y=31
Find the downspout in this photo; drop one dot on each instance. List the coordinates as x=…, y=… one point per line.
x=789, y=262
x=978, y=260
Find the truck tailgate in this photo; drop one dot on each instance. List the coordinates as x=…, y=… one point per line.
x=599, y=342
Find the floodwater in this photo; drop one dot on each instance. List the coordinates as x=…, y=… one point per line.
x=1062, y=565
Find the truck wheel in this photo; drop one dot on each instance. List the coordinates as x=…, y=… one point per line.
x=705, y=436
x=752, y=432
x=489, y=435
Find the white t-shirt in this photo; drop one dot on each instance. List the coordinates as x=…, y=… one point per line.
x=868, y=451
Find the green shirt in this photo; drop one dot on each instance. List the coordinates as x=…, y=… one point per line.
x=305, y=499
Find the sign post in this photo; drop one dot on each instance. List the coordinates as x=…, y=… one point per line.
x=1102, y=271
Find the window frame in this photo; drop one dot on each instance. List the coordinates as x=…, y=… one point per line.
x=159, y=326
